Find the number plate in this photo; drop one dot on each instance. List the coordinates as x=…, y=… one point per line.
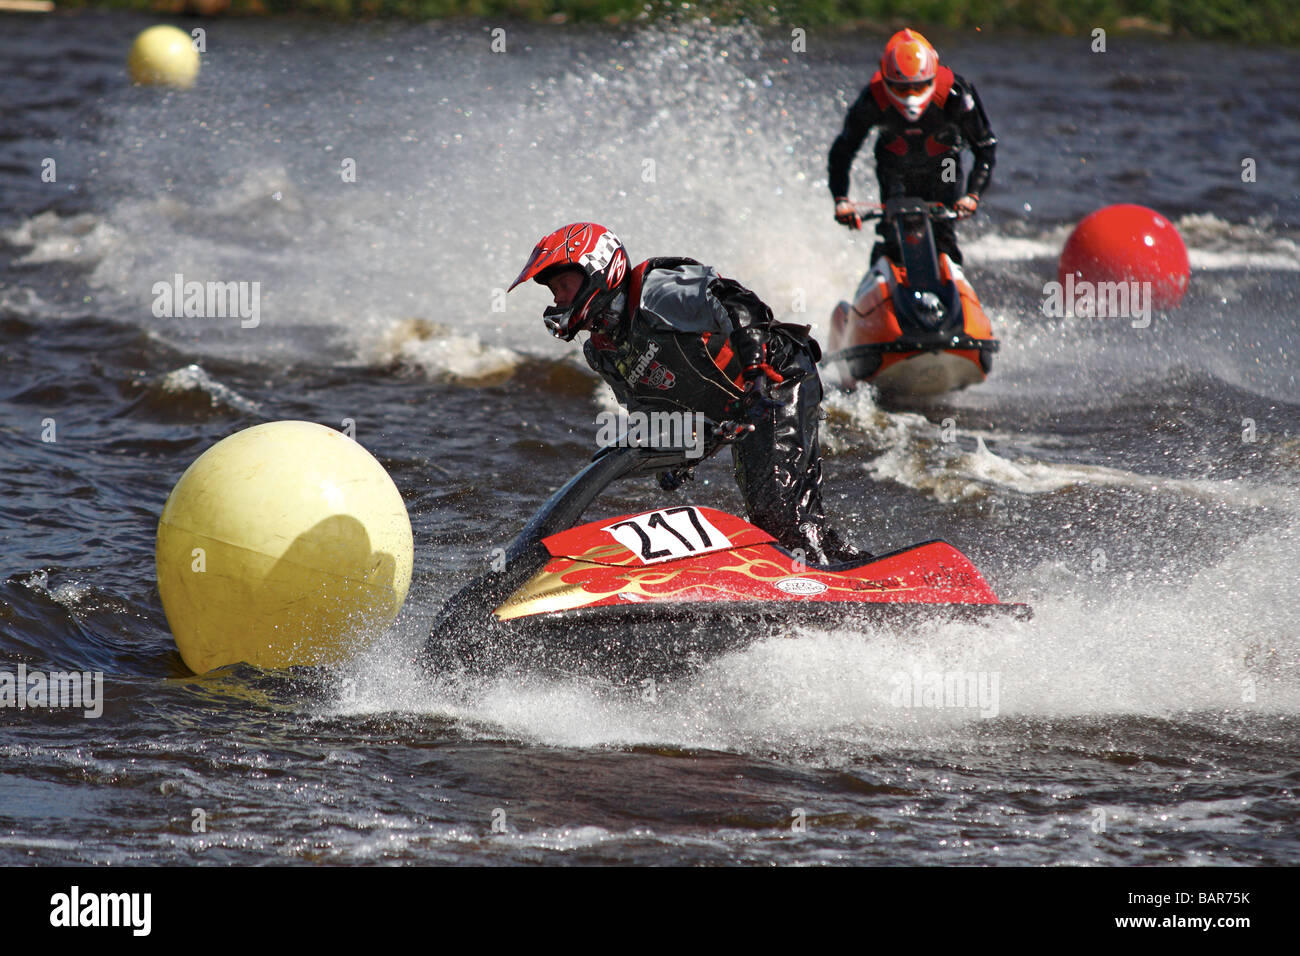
x=668, y=535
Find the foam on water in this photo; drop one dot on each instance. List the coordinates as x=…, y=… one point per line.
x=194, y=379
x=439, y=351
x=1214, y=243
x=75, y=596
x=1099, y=645
x=938, y=460
x=84, y=238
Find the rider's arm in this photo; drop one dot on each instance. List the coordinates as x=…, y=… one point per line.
x=750, y=340
x=857, y=124
x=977, y=132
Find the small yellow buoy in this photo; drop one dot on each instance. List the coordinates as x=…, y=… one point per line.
x=285, y=543
x=163, y=56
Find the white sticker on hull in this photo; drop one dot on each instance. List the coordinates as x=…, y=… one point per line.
x=801, y=586
x=668, y=534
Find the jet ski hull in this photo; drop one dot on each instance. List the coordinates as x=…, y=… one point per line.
x=659, y=592
x=915, y=374
x=885, y=339
x=630, y=643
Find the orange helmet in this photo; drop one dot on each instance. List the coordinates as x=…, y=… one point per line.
x=908, y=67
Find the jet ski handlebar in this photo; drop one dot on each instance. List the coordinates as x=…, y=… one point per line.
x=613, y=462
x=654, y=459
x=895, y=207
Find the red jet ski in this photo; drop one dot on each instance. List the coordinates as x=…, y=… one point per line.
x=914, y=330
x=660, y=591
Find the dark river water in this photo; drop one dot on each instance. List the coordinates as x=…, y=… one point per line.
x=1139, y=486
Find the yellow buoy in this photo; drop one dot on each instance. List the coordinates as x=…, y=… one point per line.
x=285, y=543
x=163, y=56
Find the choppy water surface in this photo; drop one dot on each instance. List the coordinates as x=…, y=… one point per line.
x=1138, y=486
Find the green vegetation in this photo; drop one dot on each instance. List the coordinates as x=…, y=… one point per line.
x=1251, y=21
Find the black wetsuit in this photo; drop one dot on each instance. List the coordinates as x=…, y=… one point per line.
x=910, y=157
x=679, y=339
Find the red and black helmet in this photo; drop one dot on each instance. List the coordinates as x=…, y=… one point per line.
x=591, y=249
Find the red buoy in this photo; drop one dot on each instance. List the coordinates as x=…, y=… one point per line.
x=1128, y=243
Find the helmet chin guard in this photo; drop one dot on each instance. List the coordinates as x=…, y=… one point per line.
x=594, y=251
x=558, y=321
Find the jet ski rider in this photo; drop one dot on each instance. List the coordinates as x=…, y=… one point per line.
x=926, y=115
x=672, y=335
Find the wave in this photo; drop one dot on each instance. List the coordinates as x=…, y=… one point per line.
x=1220, y=642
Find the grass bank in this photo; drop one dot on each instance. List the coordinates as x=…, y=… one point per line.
x=1246, y=21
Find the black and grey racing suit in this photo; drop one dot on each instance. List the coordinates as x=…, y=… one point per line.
x=680, y=338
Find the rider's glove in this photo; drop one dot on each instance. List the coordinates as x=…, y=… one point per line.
x=758, y=399
x=759, y=376
x=846, y=214
x=672, y=480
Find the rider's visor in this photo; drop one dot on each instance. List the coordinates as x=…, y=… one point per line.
x=909, y=89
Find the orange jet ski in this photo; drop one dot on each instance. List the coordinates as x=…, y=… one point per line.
x=917, y=329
